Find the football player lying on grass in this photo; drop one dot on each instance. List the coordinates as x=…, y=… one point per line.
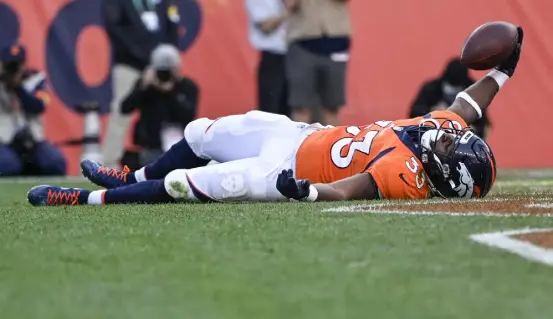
x=267, y=157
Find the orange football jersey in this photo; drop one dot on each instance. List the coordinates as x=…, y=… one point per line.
x=381, y=149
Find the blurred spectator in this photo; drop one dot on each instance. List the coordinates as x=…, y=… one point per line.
x=167, y=102
x=438, y=94
x=23, y=99
x=268, y=35
x=319, y=34
x=135, y=28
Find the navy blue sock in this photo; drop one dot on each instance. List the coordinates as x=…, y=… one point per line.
x=83, y=196
x=130, y=178
x=179, y=156
x=148, y=192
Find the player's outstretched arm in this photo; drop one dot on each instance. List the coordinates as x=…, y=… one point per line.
x=481, y=93
x=470, y=103
x=357, y=187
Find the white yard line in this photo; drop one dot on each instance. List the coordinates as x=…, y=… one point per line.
x=382, y=208
x=542, y=205
x=502, y=240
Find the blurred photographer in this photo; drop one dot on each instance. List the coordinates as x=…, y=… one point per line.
x=439, y=93
x=167, y=102
x=23, y=99
x=135, y=28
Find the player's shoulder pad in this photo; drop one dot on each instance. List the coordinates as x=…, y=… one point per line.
x=446, y=115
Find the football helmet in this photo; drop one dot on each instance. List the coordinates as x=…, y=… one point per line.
x=460, y=164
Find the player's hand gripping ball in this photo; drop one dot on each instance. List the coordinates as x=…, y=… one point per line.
x=490, y=45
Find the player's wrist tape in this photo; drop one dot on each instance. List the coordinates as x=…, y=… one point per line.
x=313, y=194
x=469, y=100
x=499, y=77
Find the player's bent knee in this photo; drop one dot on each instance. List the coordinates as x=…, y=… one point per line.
x=176, y=184
x=194, y=132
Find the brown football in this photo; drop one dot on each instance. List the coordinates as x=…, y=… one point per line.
x=489, y=45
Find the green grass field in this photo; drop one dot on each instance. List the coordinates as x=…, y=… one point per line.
x=262, y=261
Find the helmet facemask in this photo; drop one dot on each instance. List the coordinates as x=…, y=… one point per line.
x=451, y=160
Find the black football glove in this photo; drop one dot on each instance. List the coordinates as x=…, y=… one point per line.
x=508, y=67
x=290, y=188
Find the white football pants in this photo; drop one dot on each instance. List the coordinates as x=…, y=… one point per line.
x=251, y=148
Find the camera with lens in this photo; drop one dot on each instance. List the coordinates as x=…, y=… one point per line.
x=165, y=60
x=10, y=70
x=23, y=143
x=164, y=76
x=13, y=62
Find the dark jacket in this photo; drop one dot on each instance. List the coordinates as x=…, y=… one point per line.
x=432, y=94
x=131, y=41
x=156, y=108
x=32, y=98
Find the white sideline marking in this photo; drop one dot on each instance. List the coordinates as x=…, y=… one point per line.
x=545, y=205
x=522, y=248
x=351, y=209
x=380, y=208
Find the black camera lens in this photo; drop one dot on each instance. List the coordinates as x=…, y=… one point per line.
x=12, y=67
x=164, y=75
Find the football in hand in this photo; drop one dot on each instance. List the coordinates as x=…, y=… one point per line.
x=489, y=45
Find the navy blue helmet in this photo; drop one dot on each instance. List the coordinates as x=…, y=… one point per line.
x=459, y=164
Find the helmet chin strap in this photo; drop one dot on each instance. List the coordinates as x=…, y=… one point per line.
x=434, y=189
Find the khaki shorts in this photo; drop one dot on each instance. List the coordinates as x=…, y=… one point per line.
x=315, y=80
